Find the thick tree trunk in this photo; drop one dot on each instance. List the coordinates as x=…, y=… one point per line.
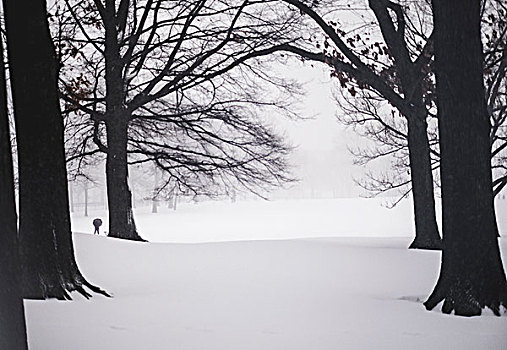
x=121, y=218
x=48, y=265
x=426, y=229
x=421, y=174
x=471, y=275
x=119, y=197
x=12, y=316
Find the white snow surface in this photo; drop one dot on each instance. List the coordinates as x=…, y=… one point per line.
x=215, y=221
x=308, y=274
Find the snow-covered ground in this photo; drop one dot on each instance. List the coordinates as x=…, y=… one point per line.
x=260, y=220
x=261, y=275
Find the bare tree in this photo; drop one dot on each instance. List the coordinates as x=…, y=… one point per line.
x=471, y=276
x=47, y=257
x=398, y=78
x=372, y=117
x=387, y=94
x=494, y=33
x=178, y=84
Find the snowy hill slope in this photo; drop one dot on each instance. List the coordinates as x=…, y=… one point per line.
x=339, y=293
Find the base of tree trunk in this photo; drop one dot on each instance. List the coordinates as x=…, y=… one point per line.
x=134, y=237
x=62, y=290
x=426, y=244
x=459, y=297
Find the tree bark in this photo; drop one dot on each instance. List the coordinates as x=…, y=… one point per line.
x=121, y=217
x=119, y=197
x=421, y=175
x=47, y=258
x=12, y=316
x=471, y=275
x=426, y=229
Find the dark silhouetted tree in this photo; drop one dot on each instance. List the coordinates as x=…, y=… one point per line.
x=12, y=315
x=169, y=83
x=47, y=257
x=371, y=117
x=400, y=83
x=471, y=276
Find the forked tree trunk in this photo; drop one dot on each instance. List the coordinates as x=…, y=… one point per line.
x=47, y=258
x=119, y=197
x=12, y=316
x=471, y=275
x=411, y=78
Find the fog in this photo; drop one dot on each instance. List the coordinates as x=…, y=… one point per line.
x=321, y=159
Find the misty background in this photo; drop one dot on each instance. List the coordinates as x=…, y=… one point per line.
x=321, y=160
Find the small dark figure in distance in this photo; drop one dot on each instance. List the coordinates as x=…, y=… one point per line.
x=97, y=223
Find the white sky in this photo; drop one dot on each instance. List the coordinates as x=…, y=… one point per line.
x=323, y=161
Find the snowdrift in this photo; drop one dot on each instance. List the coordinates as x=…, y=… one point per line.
x=313, y=293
